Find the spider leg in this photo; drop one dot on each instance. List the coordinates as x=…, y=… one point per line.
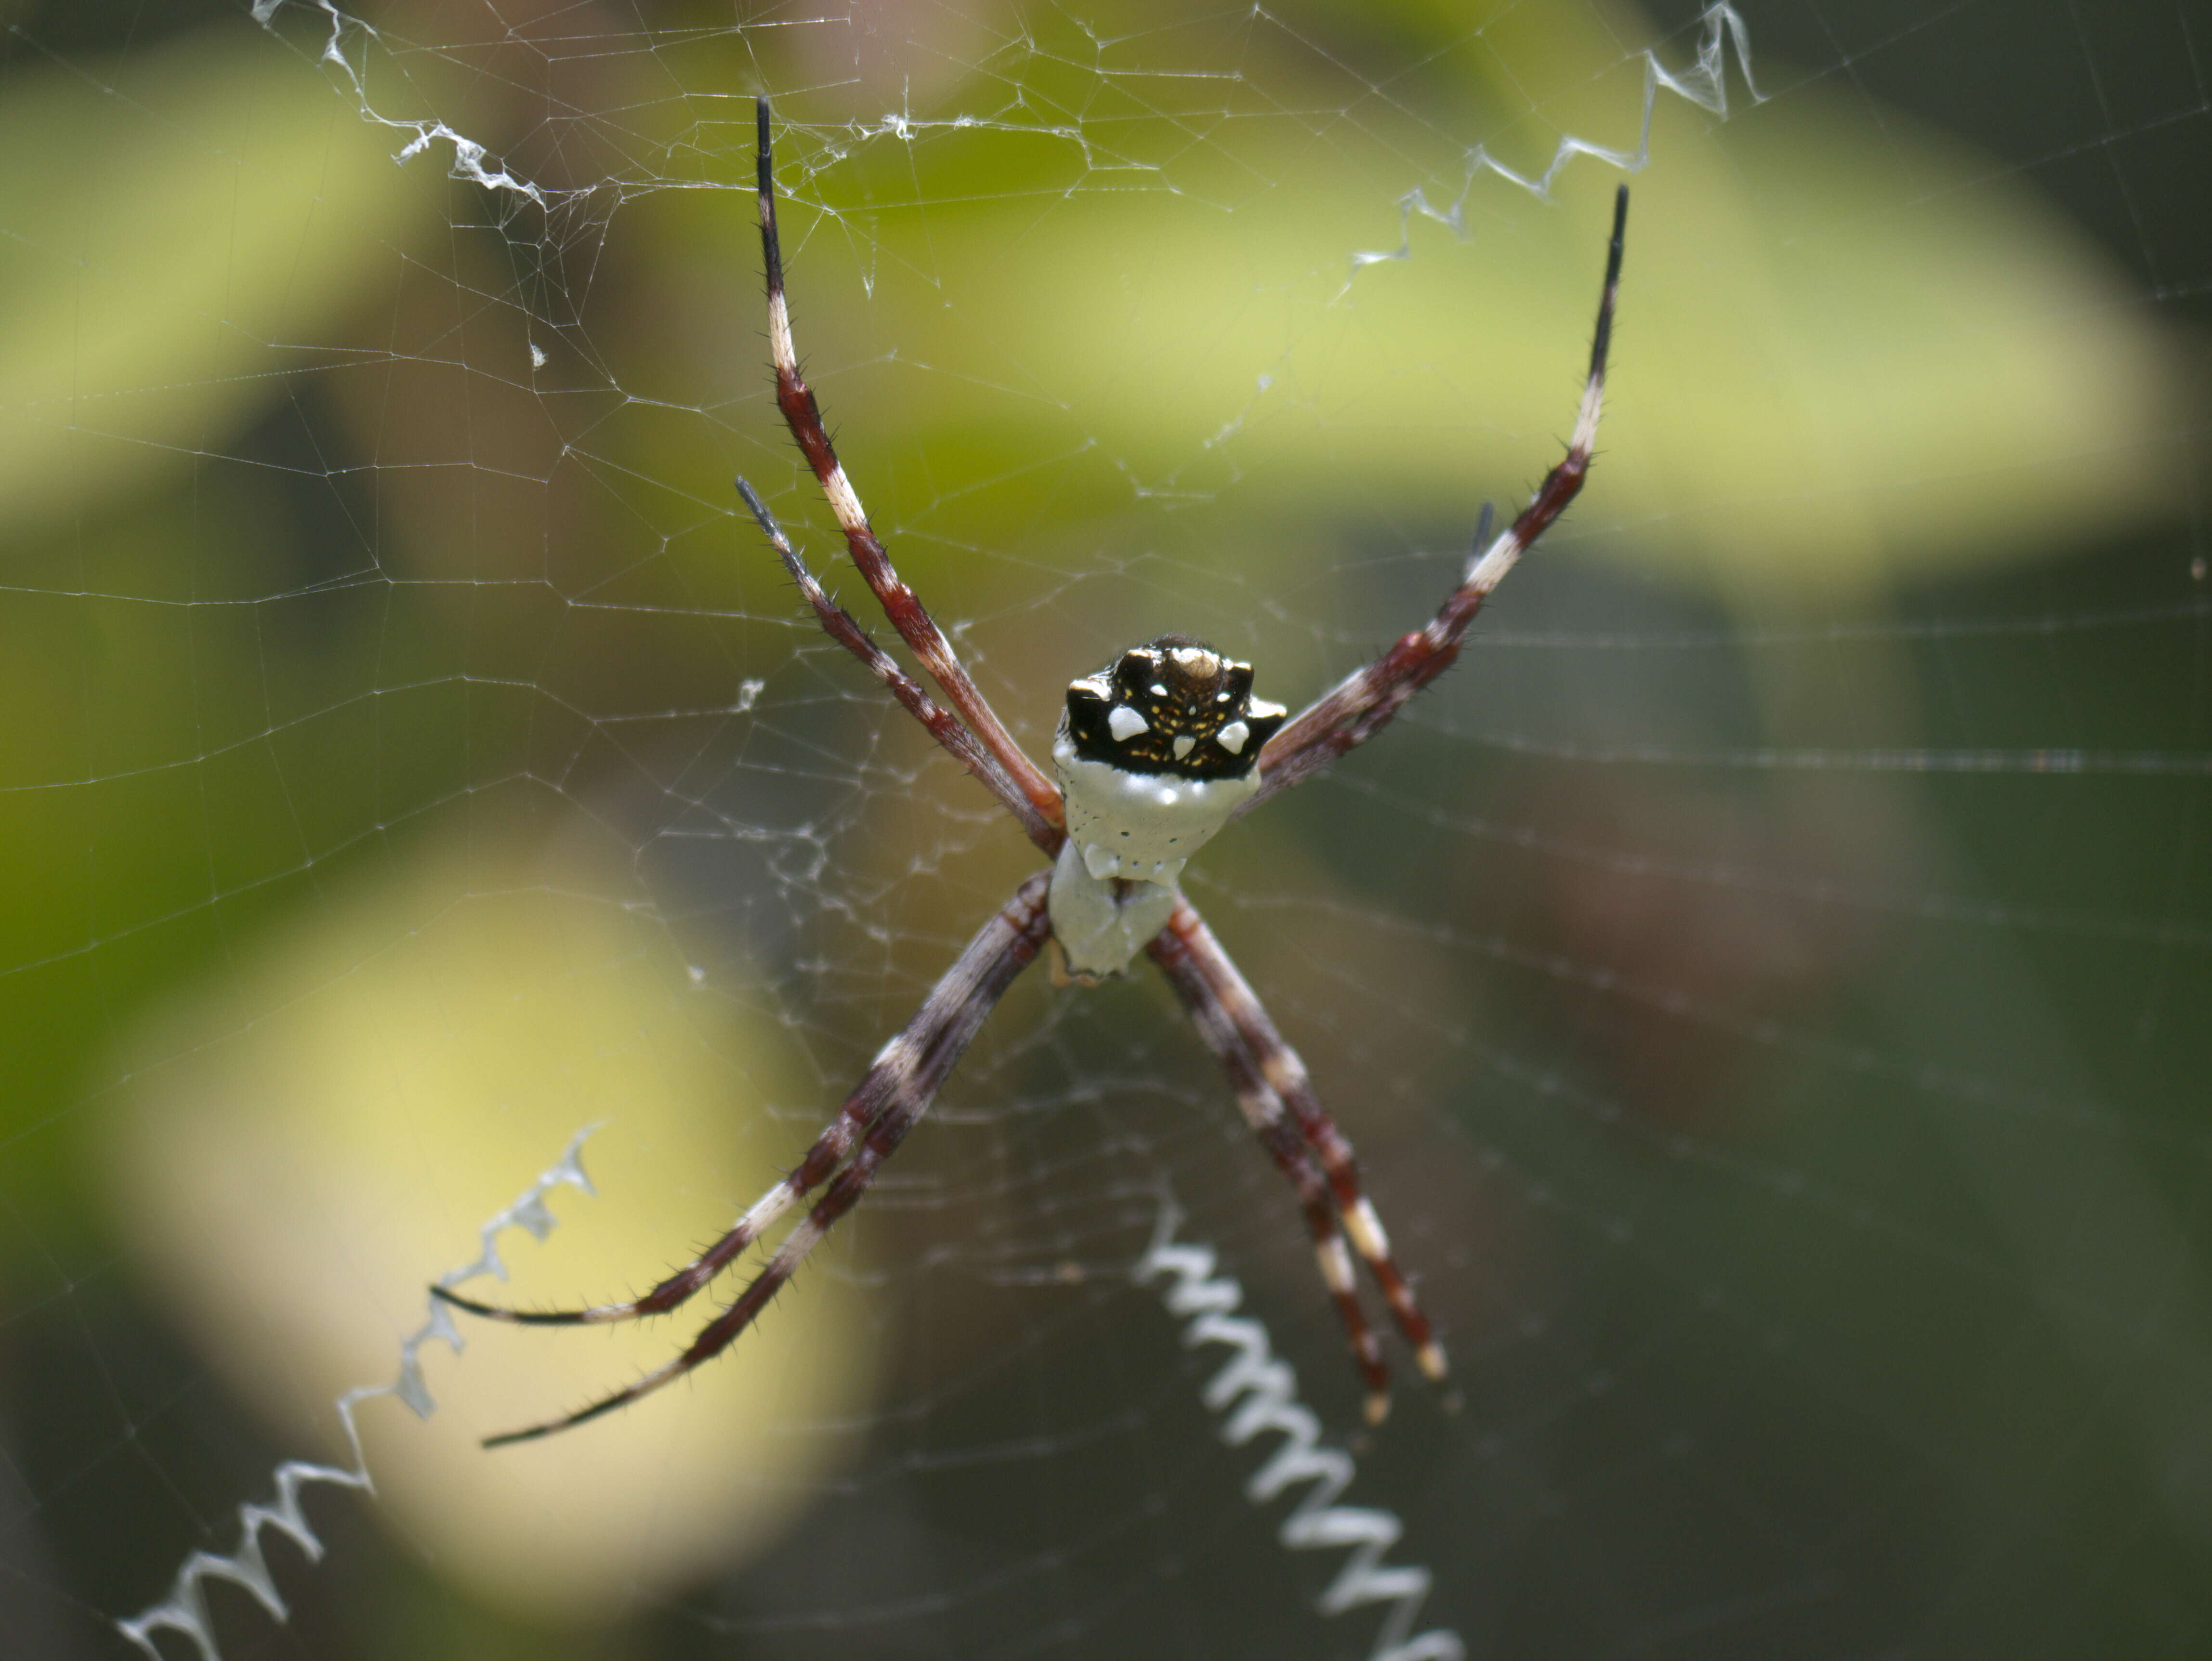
x=945, y=727
x=1208, y=979
x=1365, y=701
x=918, y=630
x=1263, y=1110
x=905, y=1075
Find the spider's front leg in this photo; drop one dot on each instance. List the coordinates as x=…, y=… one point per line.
x=1363, y=703
x=802, y=416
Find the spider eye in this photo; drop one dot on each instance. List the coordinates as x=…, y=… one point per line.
x=1263, y=719
x=1139, y=666
x=1087, y=704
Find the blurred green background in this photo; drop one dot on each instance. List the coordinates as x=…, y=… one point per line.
x=1766, y=981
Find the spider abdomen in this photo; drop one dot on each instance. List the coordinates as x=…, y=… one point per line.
x=1142, y=826
x=1155, y=753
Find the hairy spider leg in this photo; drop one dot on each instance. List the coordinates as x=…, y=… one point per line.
x=804, y=417
x=1365, y=701
x=897, y=1087
x=1263, y=1110
x=842, y=627
x=1285, y=1075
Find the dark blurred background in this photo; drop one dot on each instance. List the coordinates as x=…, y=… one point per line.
x=1766, y=981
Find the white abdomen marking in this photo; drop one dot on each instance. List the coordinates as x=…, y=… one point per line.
x=1142, y=826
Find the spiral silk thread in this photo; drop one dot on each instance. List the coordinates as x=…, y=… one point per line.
x=184, y=1610
x=1703, y=83
x=1257, y=1393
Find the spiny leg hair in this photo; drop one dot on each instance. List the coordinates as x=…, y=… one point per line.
x=1363, y=703
x=918, y=630
x=896, y=1090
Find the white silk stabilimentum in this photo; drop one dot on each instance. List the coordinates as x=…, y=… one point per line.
x=184, y=1610
x=1258, y=1393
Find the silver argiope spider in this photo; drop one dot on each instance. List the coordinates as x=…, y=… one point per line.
x=1155, y=753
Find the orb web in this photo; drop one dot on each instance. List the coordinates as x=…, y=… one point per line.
x=1761, y=978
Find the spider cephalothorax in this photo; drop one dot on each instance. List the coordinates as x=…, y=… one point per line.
x=1156, y=752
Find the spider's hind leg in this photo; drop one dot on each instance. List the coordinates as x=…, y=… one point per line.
x=1215, y=993
x=910, y=1067
x=1263, y=1110
x=906, y=1068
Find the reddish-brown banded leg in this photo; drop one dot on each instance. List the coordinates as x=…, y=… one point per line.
x=914, y=1065
x=915, y=625
x=1285, y=1075
x=1363, y=703
x=1263, y=1110
x=905, y=1075
x=841, y=626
